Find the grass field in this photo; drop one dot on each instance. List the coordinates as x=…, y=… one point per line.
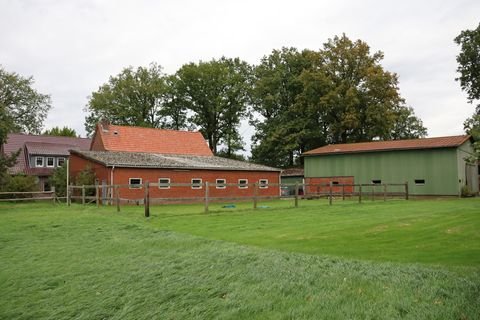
x=393, y=260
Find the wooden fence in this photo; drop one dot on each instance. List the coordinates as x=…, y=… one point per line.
x=110, y=194
x=28, y=196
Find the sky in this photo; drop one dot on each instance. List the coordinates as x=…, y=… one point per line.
x=73, y=47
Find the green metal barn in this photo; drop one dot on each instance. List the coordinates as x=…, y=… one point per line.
x=430, y=166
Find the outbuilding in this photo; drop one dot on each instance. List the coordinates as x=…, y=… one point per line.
x=439, y=166
x=122, y=155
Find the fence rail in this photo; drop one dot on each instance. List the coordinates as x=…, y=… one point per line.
x=110, y=194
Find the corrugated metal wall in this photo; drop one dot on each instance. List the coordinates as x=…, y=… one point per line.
x=437, y=167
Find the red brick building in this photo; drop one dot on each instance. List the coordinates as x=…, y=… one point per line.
x=124, y=155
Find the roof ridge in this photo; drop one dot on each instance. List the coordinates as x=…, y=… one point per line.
x=151, y=128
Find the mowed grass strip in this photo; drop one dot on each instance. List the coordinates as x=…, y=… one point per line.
x=443, y=232
x=85, y=263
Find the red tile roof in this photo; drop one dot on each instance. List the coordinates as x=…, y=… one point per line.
x=425, y=143
x=139, y=139
x=38, y=144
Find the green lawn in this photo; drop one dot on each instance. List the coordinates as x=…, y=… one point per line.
x=399, y=259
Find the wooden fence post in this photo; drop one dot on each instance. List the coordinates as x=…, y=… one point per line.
x=296, y=194
x=83, y=195
x=97, y=194
x=406, y=190
x=343, y=192
x=255, y=194
x=373, y=192
x=147, y=199
x=206, y=196
x=69, y=195
x=385, y=192
x=117, y=198
x=330, y=193
x=360, y=193
x=54, y=196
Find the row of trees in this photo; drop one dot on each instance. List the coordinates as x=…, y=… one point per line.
x=295, y=100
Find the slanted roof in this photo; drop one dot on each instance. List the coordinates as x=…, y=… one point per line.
x=293, y=172
x=412, y=144
x=40, y=145
x=139, y=139
x=168, y=161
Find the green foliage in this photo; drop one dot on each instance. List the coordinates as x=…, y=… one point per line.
x=95, y=263
x=59, y=181
x=86, y=177
x=217, y=93
x=63, y=132
x=22, y=108
x=6, y=162
x=469, y=69
x=339, y=94
x=19, y=183
x=138, y=98
x=469, y=62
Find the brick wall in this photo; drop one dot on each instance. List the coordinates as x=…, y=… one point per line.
x=313, y=185
x=122, y=175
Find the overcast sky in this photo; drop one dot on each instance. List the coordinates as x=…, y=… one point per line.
x=72, y=47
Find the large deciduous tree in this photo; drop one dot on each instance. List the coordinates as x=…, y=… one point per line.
x=469, y=69
x=216, y=94
x=22, y=108
x=137, y=97
x=338, y=94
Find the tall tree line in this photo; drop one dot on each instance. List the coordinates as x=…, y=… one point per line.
x=295, y=100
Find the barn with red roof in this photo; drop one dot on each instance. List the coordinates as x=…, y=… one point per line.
x=430, y=166
x=127, y=155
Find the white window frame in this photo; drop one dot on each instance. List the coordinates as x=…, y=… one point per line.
x=58, y=161
x=43, y=162
x=243, y=185
x=135, y=186
x=195, y=186
x=263, y=183
x=223, y=185
x=162, y=185
x=53, y=162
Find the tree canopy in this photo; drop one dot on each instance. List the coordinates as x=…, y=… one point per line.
x=64, y=132
x=216, y=93
x=469, y=69
x=134, y=97
x=338, y=94
x=22, y=108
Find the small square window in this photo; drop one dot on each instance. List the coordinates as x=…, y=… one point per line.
x=50, y=162
x=38, y=161
x=242, y=183
x=420, y=182
x=164, y=183
x=60, y=162
x=377, y=181
x=221, y=183
x=196, y=183
x=263, y=183
x=135, y=183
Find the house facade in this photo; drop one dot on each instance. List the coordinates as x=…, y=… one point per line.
x=41, y=154
x=430, y=166
x=122, y=155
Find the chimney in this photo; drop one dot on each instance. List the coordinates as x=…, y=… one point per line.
x=104, y=124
